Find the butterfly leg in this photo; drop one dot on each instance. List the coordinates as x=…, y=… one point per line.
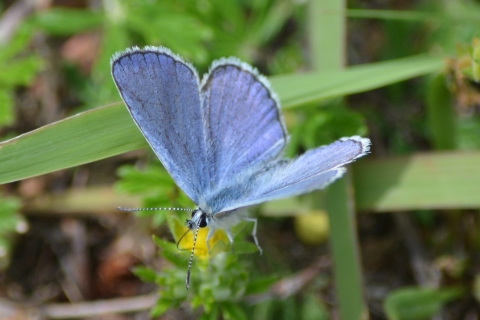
x=230, y=237
x=209, y=235
x=254, y=232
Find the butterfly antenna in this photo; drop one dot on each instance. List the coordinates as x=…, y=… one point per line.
x=187, y=281
x=159, y=209
x=153, y=209
x=179, y=240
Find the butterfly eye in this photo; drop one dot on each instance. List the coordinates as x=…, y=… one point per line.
x=203, y=220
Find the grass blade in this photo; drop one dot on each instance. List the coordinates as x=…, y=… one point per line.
x=86, y=137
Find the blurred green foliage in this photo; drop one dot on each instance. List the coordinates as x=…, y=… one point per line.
x=218, y=280
x=18, y=69
x=11, y=223
x=411, y=303
x=448, y=122
x=313, y=127
x=200, y=31
x=155, y=186
x=217, y=284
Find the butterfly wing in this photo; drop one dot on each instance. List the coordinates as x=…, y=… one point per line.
x=243, y=122
x=161, y=92
x=313, y=170
x=221, y=145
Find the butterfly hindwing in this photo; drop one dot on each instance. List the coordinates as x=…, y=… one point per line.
x=243, y=122
x=315, y=169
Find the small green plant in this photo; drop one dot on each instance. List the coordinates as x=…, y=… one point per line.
x=219, y=279
x=418, y=303
x=11, y=223
x=18, y=69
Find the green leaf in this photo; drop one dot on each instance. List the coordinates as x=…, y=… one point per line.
x=418, y=303
x=438, y=180
x=244, y=247
x=270, y=22
x=403, y=15
x=17, y=44
x=160, y=308
x=19, y=71
x=313, y=309
x=441, y=114
x=157, y=188
x=165, y=245
x=298, y=89
x=260, y=285
x=320, y=126
x=6, y=107
x=64, y=22
x=176, y=25
x=87, y=137
x=17, y=68
x=176, y=259
x=213, y=313
x=151, y=179
x=8, y=215
x=468, y=132
x=345, y=250
x=170, y=252
x=10, y=223
x=232, y=311
x=177, y=227
x=145, y=274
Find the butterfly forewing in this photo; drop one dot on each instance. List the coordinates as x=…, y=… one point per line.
x=162, y=95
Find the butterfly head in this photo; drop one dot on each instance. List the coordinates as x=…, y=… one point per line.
x=199, y=219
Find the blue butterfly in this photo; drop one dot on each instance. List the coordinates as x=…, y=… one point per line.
x=221, y=138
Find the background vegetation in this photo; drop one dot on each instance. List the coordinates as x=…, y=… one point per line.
x=398, y=238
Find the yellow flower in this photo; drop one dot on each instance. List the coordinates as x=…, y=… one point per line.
x=218, y=242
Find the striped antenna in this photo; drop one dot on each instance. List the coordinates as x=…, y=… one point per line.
x=187, y=281
x=153, y=209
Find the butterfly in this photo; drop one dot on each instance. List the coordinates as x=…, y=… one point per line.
x=222, y=137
